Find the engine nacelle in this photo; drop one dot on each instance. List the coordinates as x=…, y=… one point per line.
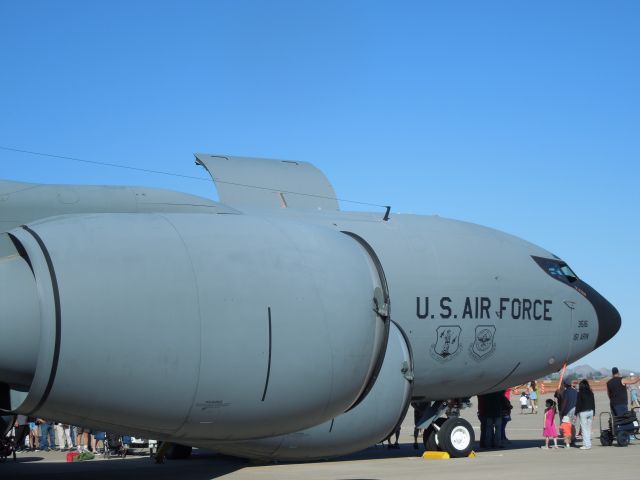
x=370, y=422
x=243, y=327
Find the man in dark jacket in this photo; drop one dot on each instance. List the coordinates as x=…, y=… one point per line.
x=22, y=430
x=558, y=396
x=568, y=403
x=493, y=404
x=617, y=393
x=482, y=416
x=568, y=407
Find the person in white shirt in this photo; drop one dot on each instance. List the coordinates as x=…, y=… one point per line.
x=524, y=403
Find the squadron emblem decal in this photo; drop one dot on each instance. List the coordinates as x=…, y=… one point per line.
x=484, y=344
x=447, y=343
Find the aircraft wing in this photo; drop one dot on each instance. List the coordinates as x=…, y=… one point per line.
x=256, y=182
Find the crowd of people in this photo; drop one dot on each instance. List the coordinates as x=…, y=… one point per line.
x=573, y=408
x=568, y=416
x=39, y=434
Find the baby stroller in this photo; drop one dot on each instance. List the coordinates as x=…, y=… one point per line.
x=7, y=441
x=620, y=428
x=7, y=448
x=113, y=446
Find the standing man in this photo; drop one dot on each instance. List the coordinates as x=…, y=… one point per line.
x=59, y=435
x=493, y=404
x=558, y=394
x=418, y=411
x=617, y=391
x=482, y=416
x=568, y=407
x=569, y=399
x=47, y=435
x=506, y=414
x=22, y=430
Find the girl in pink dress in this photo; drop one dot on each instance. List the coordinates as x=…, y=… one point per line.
x=549, y=424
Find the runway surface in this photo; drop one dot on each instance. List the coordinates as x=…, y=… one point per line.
x=521, y=459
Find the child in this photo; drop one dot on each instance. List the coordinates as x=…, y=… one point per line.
x=524, y=401
x=549, y=424
x=565, y=428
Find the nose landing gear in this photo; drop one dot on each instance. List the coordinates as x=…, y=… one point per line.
x=456, y=437
x=453, y=435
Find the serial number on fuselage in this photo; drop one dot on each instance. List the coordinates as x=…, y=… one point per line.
x=484, y=308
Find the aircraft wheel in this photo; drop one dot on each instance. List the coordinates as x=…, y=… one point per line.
x=623, y=438
x=430, y=436
x=431, y=441
x=178, y=452
x=456, y=437
x=606, y=439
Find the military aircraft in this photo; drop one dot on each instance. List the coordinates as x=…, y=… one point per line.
x=270, y=324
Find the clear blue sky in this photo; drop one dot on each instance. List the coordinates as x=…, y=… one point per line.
x=523, y=116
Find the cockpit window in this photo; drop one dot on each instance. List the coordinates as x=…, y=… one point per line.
x=557, y=269
x=568, y=273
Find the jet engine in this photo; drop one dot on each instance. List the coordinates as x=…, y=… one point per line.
x=378, y=416
x=244, y=327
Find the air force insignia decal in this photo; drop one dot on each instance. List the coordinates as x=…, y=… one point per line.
x=484, y=342
x=447, y=343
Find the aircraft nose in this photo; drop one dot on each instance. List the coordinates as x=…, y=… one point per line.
x=609, y=320
x=19, y=317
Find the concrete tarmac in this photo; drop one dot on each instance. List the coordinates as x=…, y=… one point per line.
x=522, y=458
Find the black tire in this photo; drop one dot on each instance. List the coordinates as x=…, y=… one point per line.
x=456, y=437
x=178, y=452
x=431, y=441
x=623, y=438
x=606, y=438
x=430, y=436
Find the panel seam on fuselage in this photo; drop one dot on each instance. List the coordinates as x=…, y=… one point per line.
x=266, y=382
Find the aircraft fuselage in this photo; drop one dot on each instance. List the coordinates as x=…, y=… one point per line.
x=246, y=324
